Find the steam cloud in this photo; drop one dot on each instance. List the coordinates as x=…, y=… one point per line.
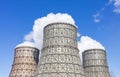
x=86, y=43
x=26, y=43
x=37, y=34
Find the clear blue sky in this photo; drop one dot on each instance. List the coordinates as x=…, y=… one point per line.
x=17, y=19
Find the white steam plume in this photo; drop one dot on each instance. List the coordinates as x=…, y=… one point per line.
x=40, y=23
x=26, y=43
x=29, y=37
x=37, y=34
x=86, y=43
x=78, y=34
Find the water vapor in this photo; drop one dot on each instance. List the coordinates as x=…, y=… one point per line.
x=37, y=34
x=86, y=43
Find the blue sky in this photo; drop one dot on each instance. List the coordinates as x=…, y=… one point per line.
x=94, y=18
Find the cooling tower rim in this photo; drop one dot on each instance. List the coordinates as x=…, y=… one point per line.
x=87, y=50
x=26, y=47
x=61, y=23
x=26, y=44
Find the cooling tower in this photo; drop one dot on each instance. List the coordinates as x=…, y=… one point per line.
x=95, y=63
x=59, y=54
x=25, y=61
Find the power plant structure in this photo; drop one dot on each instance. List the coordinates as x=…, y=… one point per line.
x=95, y=63
x=59, y=56
x=25, y=61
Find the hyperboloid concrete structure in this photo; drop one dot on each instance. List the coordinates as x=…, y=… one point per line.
x=60, y=54
x=25, y=61
x=95, y=63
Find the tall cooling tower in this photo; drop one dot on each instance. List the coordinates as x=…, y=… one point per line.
x=95, y=63
x=59, y=55
x=25, y=61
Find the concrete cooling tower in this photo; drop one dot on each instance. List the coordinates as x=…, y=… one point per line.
x=25, y=61
x=59, y=54
x=95, y=63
